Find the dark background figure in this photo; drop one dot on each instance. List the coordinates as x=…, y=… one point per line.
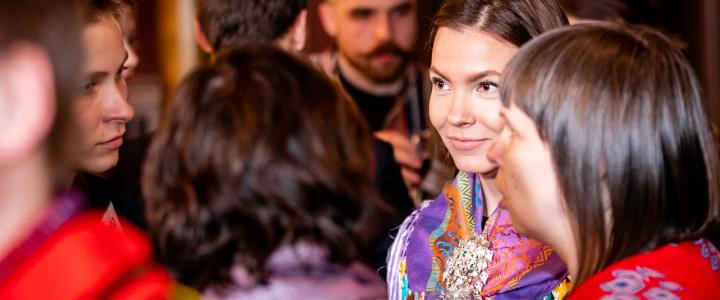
x=372, y=57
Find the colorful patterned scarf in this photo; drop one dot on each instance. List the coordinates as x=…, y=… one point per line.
x=521, y=268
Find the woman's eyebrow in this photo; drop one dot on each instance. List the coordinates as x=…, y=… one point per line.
x=472, y=78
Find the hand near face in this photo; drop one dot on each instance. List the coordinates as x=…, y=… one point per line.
x=405, y=154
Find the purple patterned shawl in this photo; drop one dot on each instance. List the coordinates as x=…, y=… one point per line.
x=521, y=268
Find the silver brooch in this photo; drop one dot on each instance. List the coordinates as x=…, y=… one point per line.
x=465, y=269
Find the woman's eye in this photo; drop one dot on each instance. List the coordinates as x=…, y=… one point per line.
x=439, y=84
x=88, y=88
x=487, y=87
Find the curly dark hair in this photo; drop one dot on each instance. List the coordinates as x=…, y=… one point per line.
x=258, y=150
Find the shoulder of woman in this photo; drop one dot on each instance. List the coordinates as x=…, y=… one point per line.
x=684, y=270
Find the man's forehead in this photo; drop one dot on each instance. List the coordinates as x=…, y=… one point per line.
x=370, y=4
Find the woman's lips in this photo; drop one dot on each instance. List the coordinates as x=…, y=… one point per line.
x=113, y=143
x=466, y=143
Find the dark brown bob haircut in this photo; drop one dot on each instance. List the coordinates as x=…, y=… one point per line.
x=258, y=151
x=621, y=111
x=513, y=21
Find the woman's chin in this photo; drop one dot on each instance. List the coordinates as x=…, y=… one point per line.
x=481, y=166
x=99, y=164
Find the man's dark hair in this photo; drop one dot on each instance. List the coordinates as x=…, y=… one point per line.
x=54, y=26
x=259, y=151
x=234, y=22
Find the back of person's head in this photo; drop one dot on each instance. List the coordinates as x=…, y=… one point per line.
x=235, y=22
x=53, y=29
x=621, y=111
x=516, y=21
x=258, y=151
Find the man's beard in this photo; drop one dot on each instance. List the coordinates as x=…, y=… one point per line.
x=378, y=72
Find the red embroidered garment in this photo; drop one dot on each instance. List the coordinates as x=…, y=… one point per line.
x=689, y=270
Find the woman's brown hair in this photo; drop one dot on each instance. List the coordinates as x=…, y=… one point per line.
x=621, y=111
x=515, y=21
x=258, y=151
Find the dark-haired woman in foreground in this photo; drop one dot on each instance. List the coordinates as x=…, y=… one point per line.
x=608, y=156
x=257, y=180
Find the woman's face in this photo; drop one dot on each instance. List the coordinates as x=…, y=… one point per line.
x=527, y=179
x=102, y=109
x=464, y=104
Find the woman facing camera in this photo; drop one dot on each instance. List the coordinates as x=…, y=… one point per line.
x=257, y=181
x=608, y=156
x=462, y=245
